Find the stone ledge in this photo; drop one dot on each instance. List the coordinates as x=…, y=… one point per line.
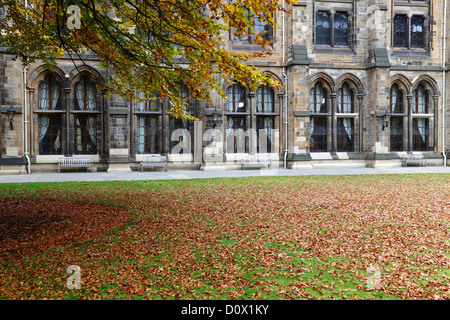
x=118, y=111
x=13, y=161
x=17, y=109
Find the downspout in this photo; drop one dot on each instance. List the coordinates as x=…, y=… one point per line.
x=444, y=55
x=25, y=114
x=25, y=119
x=283, y=44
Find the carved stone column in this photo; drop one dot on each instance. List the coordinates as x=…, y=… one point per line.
x=435, y=122
x=360, y=127
x=251, y=120
x=410, y=127
x=333, y=123
x=67, y=103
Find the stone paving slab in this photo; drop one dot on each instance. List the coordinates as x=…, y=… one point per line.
x=173, y=175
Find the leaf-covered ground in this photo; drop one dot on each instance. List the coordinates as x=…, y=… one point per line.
x=336, y=237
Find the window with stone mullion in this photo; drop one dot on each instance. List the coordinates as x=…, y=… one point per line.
x=332, y=28
x=401, y=31
x=318, y=132
x=341, y=28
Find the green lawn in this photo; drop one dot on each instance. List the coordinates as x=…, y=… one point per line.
x=248, y=238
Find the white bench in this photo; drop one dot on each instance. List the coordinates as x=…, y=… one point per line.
x=414, y=159
x=75, y=162
x=256, y=159
x=154, y=161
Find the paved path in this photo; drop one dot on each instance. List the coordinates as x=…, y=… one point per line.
x=198, y=174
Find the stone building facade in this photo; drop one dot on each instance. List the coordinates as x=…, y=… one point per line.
x=343, y=65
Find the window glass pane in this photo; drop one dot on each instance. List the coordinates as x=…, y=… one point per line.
x=85, y=95
x=420, y=134
x=147, y=135
x=261, y=27
x=264, y=132
x=400, y=31
x=318, y=134
x=318, y=99
x=345, y=100
x=345, y=136
x=236, y=98
x=148, y=105
x=264, y=99
x=179, y=133
x=420, y=100
x=340, y=28
x=396, y=100
x=417, y=32
x=49, y=94
x=396, y=127
x=85, y=135
x=322, y=28
x=50, y=130
x=235, y=138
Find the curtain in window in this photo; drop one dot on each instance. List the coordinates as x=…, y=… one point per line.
x=236, y=98
x=230, y=129
x=55, y=94
x=268, y=125
x=421, y=126
x=396, y=100
x=348, y=129
x=92, y=130
x=140, y=106
x=92, y=97
x=48, y=91
x=90, y=102
x=264, y=99
x=79, y=93
x=420, y=100
x=345, y=100
x=317, y=99
x=141, y=134
x=43, y=102
x=43, y=122
x=394, y=96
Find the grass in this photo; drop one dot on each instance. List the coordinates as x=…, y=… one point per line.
x=249, y=238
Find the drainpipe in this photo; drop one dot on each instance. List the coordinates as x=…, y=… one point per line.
x=25, y=119
x=444, y=56
x=25, y=113
x=283, y=44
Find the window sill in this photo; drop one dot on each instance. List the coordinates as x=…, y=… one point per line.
x=317, y=114
x=237, y=113
x=422, y=115
x=411, y=3
x=242, y=46
x=85, y=112
x=268, y=114
x=327, y=49
x=147, y=113
x=49, y=111
x=346, y=115
x=405, y=52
